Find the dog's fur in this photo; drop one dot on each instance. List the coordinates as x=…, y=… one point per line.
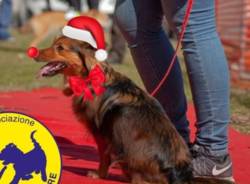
x=25, y=163
x=125, y=121
x=50, y=22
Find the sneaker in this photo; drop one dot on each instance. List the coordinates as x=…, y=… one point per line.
x=206, y=165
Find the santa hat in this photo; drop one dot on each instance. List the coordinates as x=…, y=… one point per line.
x=89, y=30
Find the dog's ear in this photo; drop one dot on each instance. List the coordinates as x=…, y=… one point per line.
x=57, y=37
x=87, y=54
x=76, y=48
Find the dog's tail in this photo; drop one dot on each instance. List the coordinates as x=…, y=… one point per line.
x=36, y=144
x=176, y=173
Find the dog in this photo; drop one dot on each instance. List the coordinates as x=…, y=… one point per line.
x=46, y=23
x=24, y=163
x=128, y=124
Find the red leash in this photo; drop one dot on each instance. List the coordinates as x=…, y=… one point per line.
x=183, y=29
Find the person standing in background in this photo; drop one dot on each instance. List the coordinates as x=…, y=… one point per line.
x=48, y=5
x=93, y=4
x=76, y=4
x=5, y=19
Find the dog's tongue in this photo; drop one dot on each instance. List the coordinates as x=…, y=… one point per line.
x=50, y=69
x=44, y=70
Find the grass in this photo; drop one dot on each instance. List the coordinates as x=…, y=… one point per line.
x=240, y=108
x=18, y=72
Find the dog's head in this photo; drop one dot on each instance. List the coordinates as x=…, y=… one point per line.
x=10, y=154
x=67, y=56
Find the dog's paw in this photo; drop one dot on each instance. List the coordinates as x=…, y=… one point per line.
x=93, y=174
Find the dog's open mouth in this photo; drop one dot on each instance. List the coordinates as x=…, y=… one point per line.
x=52, y=69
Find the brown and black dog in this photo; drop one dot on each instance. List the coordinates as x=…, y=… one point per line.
x=125, y=120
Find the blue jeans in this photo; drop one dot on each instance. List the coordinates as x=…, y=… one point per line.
x=5, y=18
x=141, y=24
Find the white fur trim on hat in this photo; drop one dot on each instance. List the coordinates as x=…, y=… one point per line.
x=79, y=34
x=101, y=55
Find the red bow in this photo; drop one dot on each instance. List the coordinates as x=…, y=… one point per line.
x=80, y=86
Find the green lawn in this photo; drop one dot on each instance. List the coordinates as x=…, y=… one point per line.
x=18, y=72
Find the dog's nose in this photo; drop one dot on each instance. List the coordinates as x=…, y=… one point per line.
x=32, y=52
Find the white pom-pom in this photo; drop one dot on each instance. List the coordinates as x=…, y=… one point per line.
x=101, y=55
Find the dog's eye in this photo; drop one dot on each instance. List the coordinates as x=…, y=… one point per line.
x=59, y=48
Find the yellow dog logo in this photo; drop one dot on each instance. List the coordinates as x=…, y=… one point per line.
x=28, y=151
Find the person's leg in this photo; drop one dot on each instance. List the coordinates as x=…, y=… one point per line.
x=76, y=4
x=48, y=5
x=93, y=4
x=5, y=19
x=209, y=77
x=207, y=69
x=141, y=25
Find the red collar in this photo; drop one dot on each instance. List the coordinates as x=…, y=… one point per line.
x=94, y=82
